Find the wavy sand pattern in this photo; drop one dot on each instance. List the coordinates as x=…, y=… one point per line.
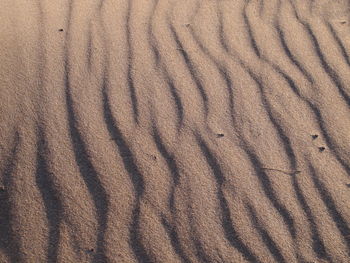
x=175, y=131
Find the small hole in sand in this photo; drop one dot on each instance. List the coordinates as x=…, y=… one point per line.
x=220, y=135
x=348, y=185
x=314, y=136
x=343, y=22
x=61, y=30
x=321, y=149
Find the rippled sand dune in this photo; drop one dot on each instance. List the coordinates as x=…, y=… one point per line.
x=175, y=131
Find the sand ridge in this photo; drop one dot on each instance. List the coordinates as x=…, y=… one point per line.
x=175, y=131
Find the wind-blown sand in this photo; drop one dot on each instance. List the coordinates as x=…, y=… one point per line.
x=175, y=131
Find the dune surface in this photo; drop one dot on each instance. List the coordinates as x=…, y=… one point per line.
x=184, y=131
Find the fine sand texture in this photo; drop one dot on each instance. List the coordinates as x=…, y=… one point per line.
x=185, y=131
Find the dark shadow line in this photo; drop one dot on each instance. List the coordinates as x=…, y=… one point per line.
x=199, y=250
x=271, y=245
x=134, y=174
x=134, y=235
x=124, y=150
x=288, y=79
x=289, y=151
x=230, y=233
x=331, y=207
x=178, y=102
x=100, y=6
x=9, y=240
x=261, y=8
x=330, y=72
x=315, y=110
x=152, y=38
x=318, y=115
x=131, y=85
x=50, y=196
x=174, y=170
x=291, y=56
x=174, y=239
x=171, y=163
x=166, y=155
x=221, y=70
x=86, y=169
x=222, y=38
x=229, y=84
x=165, y=73
x=327, y=137
x=287, y=145
x=250, y=32
x=89, y=48
x=88, y=174
x=268, y=189
x=154, y=49
x=340, y=44
x=259, y=169
x=175, y=95
x=317, y=243
x=191, y=69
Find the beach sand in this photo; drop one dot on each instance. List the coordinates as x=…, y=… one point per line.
x=175, y=131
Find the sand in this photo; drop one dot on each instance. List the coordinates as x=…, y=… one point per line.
x=175, y=131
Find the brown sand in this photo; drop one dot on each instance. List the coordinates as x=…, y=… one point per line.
x=175, y=131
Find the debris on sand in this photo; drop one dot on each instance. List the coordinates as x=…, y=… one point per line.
x=314, y=136
x=321, y=149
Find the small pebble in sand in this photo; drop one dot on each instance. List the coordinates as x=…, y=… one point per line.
x=219, y=135
x=321, y=149
x=314, y=136
x=348, y=185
